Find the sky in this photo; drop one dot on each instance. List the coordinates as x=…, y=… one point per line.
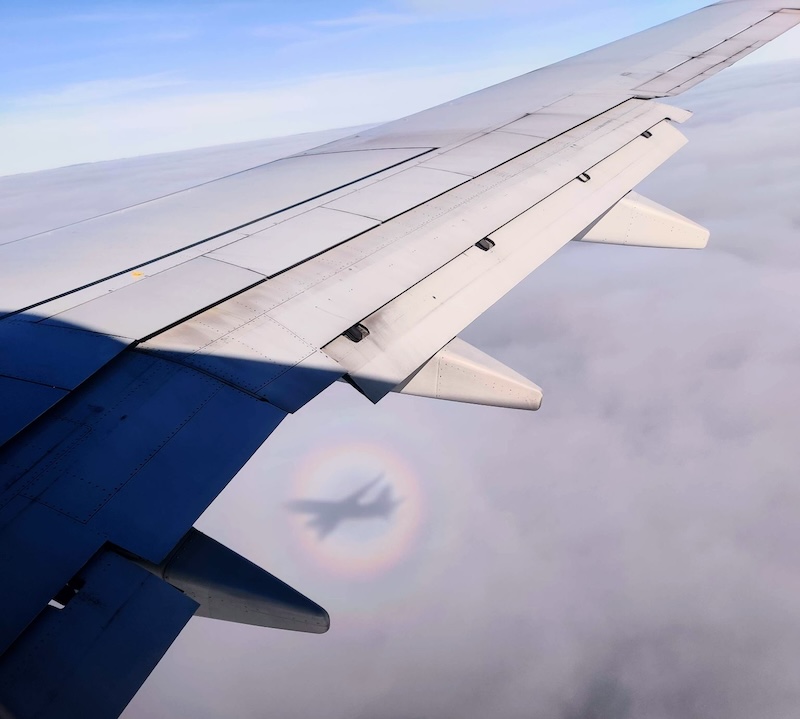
x=628, y=551
x=86, y=81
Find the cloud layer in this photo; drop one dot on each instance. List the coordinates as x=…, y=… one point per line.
x=630, y=551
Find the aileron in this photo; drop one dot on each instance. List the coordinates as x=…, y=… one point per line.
x=703, y=65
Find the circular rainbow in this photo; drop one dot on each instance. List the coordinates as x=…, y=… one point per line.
x=359, y=548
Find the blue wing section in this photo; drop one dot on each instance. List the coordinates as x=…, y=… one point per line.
x=132, y=458
x=87, y=660
x=129, y=460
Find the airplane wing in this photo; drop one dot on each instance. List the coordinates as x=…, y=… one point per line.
x=354, y=498
x=145, y=354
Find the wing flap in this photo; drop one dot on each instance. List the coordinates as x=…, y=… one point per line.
x=60, y=357
x=341, y=287
x=89, y=658
x=407, y=331
x=23, y=402
x=285, y=320
x=40, y=364
x=40, y=551
x=246, y=348
x=133, y=457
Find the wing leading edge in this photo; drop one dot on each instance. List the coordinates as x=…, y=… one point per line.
x=177, y=357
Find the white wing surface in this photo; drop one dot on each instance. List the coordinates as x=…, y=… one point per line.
x=146, y=353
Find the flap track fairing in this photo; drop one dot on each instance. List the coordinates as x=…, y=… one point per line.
x=229, y=587
x=636, y=220
x=462, y=373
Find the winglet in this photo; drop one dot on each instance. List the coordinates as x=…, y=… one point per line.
x=462, y=373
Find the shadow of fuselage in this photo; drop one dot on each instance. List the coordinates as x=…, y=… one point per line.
x=327, y=515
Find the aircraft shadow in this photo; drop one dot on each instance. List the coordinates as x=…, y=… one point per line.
x=325, y=515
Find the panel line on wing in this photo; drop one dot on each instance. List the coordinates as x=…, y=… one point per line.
x=407, y=331
x=317, y=323
x=197, y=243
x=709, y=62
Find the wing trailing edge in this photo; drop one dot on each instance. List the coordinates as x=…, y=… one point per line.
x=404, y=334
x=87, y=653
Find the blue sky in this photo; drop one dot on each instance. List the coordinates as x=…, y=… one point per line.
x=88, y=81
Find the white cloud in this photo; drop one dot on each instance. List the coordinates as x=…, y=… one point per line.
x=91, y=92
x=59, y=129
x=368, y=20
x=472, y=8
x=314, y=35
x=286, y=32
x=627, y=552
